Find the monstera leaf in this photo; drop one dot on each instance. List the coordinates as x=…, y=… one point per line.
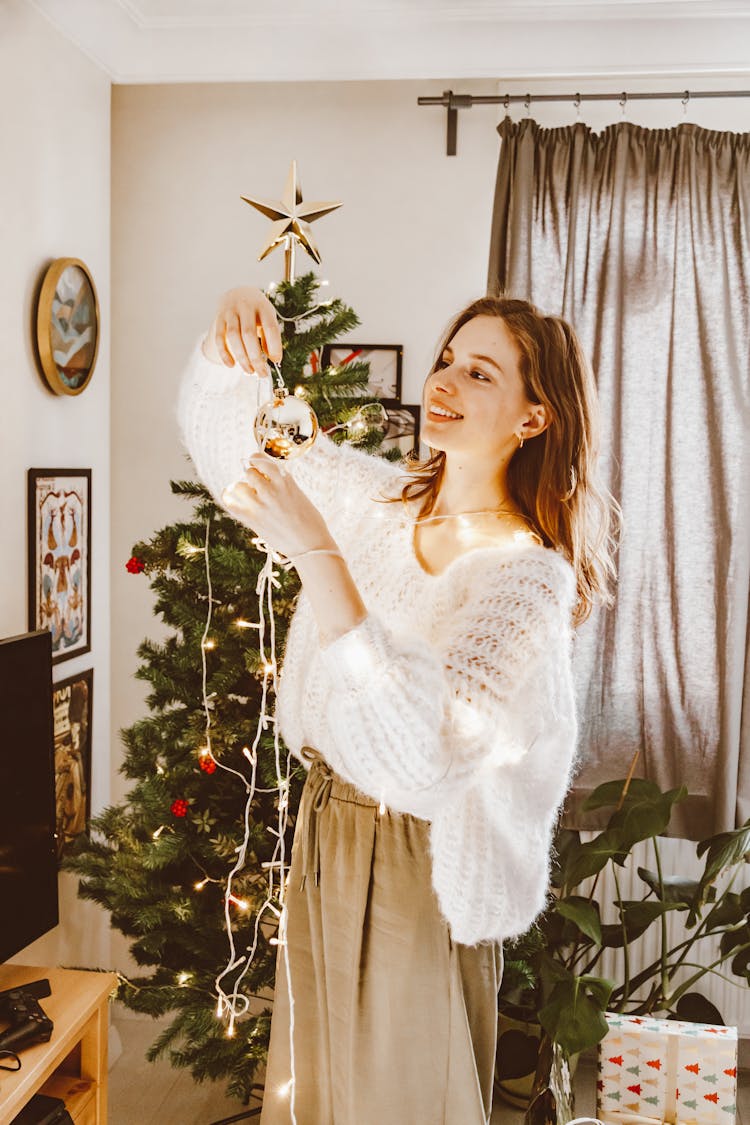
x=574, y=1012
x=585, y=914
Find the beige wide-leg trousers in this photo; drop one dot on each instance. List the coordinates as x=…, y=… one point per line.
x=394, y=1023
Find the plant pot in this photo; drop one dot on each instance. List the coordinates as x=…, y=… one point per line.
x=516, y=1059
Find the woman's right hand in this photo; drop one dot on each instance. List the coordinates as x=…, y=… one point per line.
x=244, y=328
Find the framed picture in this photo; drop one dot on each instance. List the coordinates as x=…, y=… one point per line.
x=59, y=524
x=385, y=362
x=403, y=429
x=72, y=708
x=67, y=326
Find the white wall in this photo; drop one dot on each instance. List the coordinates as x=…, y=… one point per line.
x=54, y=202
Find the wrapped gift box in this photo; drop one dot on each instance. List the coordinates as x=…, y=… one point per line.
x=654, y=1071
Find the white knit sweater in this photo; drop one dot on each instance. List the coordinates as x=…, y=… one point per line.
x=453, y=700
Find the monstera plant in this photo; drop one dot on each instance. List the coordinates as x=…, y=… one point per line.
x=550, y=977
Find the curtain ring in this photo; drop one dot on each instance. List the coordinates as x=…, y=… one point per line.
x=506, y=103
x=577, y=104
x=623, y=104
x=685, y=101
x=527, y=104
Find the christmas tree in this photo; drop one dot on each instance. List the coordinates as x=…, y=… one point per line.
x=159, y=861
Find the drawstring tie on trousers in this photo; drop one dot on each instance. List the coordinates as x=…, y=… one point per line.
x=318, y=791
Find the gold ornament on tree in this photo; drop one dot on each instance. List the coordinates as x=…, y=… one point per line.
x=286, y=426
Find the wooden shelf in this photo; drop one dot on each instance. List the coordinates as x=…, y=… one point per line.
x=73, y=1065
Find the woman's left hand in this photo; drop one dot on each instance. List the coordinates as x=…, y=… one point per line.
x=269, y=500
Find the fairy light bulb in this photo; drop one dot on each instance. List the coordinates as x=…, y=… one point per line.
x=159, y=830
x=283, y=1091
x=183, y=978
x=199, y=886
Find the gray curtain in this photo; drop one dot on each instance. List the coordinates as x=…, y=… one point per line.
x=641, y=238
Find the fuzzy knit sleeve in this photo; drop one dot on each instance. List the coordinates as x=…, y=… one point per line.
x=475, y=733
x=216, y=410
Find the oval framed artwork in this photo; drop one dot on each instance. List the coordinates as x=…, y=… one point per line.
x=67, y=326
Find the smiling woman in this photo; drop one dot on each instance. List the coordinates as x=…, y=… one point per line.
x=426, y=688
x=505, y=374
x=476, y=409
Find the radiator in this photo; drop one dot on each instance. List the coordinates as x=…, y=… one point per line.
x=730, y=994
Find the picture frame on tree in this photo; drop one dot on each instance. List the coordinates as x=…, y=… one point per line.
x=72, y=708
x=403, y=428
x=59, y=558
x=385, y=360
x=67, y=326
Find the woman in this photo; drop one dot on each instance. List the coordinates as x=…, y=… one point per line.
x=427, y=674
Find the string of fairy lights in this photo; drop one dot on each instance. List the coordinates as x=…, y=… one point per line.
x=232, y=1003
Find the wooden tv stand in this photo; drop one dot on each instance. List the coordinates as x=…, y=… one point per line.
x=73, y=1065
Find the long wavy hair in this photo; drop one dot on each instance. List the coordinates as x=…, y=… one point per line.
x=553, y=478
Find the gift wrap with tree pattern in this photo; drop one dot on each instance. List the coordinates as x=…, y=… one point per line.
x=657, y=1070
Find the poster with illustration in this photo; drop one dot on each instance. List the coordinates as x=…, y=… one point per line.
x=72, y=708
x=59, y=502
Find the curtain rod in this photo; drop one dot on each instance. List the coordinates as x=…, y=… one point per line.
x=453, y=102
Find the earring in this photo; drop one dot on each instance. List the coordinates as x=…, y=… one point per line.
x=520, y=441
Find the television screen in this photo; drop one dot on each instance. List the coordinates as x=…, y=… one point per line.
x=28, y=863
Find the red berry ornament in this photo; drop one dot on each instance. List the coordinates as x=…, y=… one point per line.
x=207, y=763
x=134, y=565
x=179, y=807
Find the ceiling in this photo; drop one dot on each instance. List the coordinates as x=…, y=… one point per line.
x=139, y=41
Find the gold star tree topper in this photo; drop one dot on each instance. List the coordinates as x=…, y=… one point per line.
x=291, y=221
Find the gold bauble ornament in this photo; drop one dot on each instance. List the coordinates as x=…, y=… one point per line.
x=285, y=426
